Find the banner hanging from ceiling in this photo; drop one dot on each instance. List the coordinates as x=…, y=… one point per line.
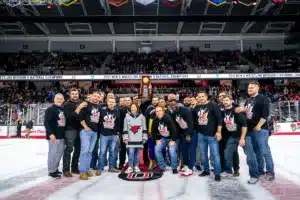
x=145, y=2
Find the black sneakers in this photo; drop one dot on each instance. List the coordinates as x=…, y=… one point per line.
x=236, y=173
x=59, y=172
x=175, y=171
x=55, y=175
x=217, y=177
x=204, y=173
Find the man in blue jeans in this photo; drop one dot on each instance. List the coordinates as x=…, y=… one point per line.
x=89, y=119
x=109, y=136
x=164, y=134
x=257, y=112
x=235, y=125
x=208, y=120
x=188, y=138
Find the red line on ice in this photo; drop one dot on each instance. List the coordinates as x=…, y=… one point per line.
x=282, y=189
x=43, y=190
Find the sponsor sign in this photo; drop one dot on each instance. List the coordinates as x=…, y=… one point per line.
x=152, y=76
x=287, y=128
x=36, y=132
x=3, y=131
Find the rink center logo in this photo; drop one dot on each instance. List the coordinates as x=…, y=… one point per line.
x=142, y=176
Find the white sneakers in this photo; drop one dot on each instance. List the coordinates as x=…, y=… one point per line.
x=186, y=172
x=136, y=169
x=225, y=174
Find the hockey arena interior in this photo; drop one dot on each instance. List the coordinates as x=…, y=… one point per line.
x=149, y=99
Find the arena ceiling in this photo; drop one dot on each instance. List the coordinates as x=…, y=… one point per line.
x=157, y=7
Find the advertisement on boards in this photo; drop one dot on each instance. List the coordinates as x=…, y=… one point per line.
x=11, y=132
x=292, y=128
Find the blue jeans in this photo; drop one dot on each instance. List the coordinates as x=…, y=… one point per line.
x=204, y=142
x=188, y=150
x=95, y=154
x=260, y=142
x=88, y=140
x=133, y=156
x=107, y=142
x=159, y=155
x=231, y=147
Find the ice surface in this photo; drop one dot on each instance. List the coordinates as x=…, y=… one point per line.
x=23, y=175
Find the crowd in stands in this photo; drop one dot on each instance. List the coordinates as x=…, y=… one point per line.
x=172, y=62
x=50, y=63
x=270, y=61
x=192, y=61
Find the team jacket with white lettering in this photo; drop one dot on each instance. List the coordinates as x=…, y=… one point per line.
x=110, y=122
x=207, y=118
x=184, y=120
x=164, y=128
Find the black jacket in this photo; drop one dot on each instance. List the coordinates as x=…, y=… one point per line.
x=110, y=122
x=91, y=115
x=164, y=128
x=72, y=118
x=184, y=120
x=55, y=122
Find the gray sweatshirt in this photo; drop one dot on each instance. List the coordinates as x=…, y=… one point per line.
x=135, y=130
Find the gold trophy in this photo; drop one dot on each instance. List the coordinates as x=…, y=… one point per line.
x=146, y=88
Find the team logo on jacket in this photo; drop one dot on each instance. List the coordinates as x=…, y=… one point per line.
x=181, y=122
x=249, y=113
x=229, y=122
x=202, y=117
x=163, y=130
x=61, y=119
x=134, y=129
x=95, y=115
x=109, y=121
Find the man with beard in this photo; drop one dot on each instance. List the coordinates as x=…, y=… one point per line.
x=187, y=101
x=236, y=127
x=257, y=113
x=89, y=119
x=149, y=145
x=208, y=120
x=95, y=152
x=55, y=129
x=122, y=152
x=225, y=137
x=151, y=107
x=128, y=102
x=109, y=136
x=188, y=138
x=72, y=140
x=164, y=134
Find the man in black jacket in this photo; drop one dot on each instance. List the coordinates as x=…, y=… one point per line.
x=164, y=134
x=89, y=119
x=72, y=109
x=188, y=138
x=257, y=112
x=109, y=136
x=208, y=120
x=55, y=129
x=225, y=137
x=236, y=127
x=122, y=150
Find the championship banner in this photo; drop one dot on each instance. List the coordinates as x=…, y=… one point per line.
x=151, y=76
